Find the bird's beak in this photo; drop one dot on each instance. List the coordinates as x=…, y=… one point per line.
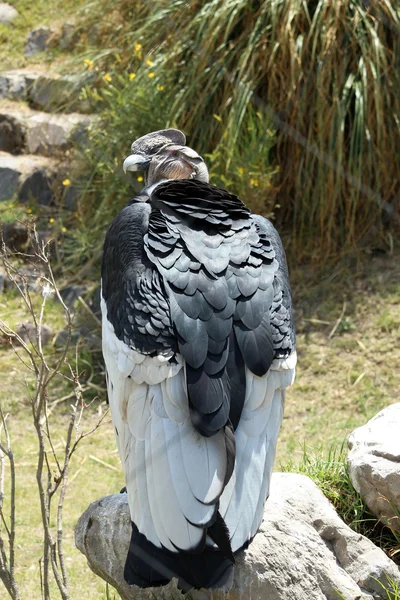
x=136, y=162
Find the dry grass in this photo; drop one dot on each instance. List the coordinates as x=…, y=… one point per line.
x=343, y=380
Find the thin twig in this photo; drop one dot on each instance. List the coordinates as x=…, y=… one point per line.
x=336, y=325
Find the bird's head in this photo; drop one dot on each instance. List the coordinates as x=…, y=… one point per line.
x=163, y=155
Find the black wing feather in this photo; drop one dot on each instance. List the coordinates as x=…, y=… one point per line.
x=211, y=279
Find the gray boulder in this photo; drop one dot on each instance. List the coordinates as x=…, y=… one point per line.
x=303, y=551
x=374, y=464
x=12, y=135
x=37, y=40
x=15, y=236
x=63, y=92
x=25, y=130
x=28, y=333
x=69, y=36
x=28, y=177
x=7, y=13
x=16, y=84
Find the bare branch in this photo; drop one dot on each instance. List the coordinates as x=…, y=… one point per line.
x=7, y=564
x=53, y=463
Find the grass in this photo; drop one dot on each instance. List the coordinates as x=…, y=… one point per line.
x=295, y=106
x=31, y=15
x=95, y=468
x=323, y=407
x=343, y=380
x=322, y=74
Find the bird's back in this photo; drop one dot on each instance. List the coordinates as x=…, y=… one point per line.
x=199, y=347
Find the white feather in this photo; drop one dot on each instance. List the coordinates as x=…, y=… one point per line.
x=242, y=502
x=194, y=511
x=205, y=462
x=178, y=530
x=175, y=408
x=173, y=474
x=138, y=496
x=138, y=411
x=152, y=486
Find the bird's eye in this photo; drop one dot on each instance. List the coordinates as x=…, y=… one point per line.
x=174, y=153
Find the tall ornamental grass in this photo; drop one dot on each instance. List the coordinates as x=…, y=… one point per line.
x=325, y=75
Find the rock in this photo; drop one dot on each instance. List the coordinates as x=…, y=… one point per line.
x=9, y=180
x=15, y=236
x=62, y=338
x=303, y=550
x=30, y=177
x=95, y=302
x=25, y=130
x=7, y=13
x=37, y=40
x=37, y=187
x=69, y=36
x=12, y=135
x=71, y=195
x=27, y=332
x=374, y=464
x=16, y=84
x=55, y=93
x=71, y=293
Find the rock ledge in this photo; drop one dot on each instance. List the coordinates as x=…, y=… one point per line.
x=303, y=551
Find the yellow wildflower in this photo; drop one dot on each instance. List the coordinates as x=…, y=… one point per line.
x=66, y=182
x=217, y=117
x=140, y=178
x=10, y=205
x=89, y=64
x=107, y=78
x=254, y=182
x=151, y=75
x=51, y=220
x=160, y=88
x=149, y=63
x=138, y=51
x=29, y=211
x=240, y=170
x=64, y=229
x=132, y=76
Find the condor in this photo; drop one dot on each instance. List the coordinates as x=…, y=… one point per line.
x=199, y=347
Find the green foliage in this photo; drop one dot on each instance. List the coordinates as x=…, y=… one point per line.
x=132, y=104
x=391, y=590
x=32, y=14
x=324, y=73
x=331, y=475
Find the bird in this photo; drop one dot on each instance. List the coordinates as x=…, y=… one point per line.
x=199, y=346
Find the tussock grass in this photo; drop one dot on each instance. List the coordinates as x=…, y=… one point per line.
x=324, y=73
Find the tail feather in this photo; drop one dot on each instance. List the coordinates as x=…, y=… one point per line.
x=219, y=533
x=149, y=566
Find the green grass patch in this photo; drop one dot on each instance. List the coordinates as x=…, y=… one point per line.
x=31, y=15
x=330, y=473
